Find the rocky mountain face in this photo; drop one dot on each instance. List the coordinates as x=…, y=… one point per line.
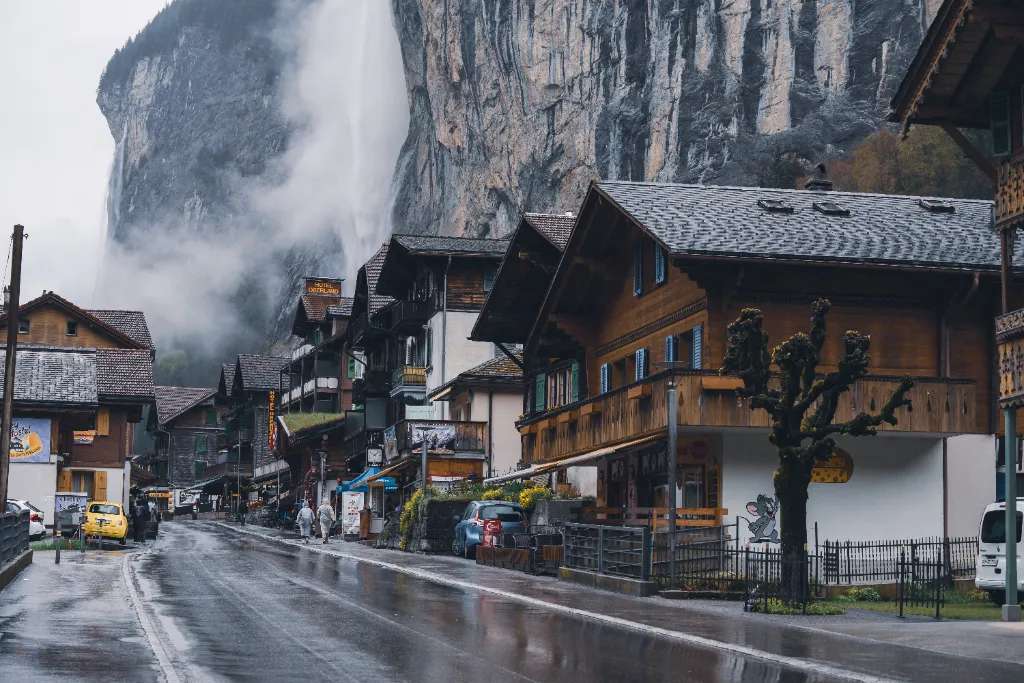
x=513, y=105
x=520, y=103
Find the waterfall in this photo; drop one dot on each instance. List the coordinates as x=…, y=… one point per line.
x=115, y=185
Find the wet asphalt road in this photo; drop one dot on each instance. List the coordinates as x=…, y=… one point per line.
x=216, y=605
x=231, y=607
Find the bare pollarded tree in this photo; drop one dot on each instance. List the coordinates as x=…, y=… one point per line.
x=802, y=404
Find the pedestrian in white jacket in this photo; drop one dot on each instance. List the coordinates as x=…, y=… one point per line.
x=326, y=513
x=305, y=520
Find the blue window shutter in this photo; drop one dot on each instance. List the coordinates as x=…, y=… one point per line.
x=574, y=382
x=638, y=268
x=660, y=271
x=605, y=379
x=539, y=398
x=698, y=346
x=640, y=358
x=670, y=349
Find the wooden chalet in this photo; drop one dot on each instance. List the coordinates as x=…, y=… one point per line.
x=105, y=354
x=650, y=278
x=969, y=74
x=187, y=434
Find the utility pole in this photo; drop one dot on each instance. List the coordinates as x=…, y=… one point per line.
x=323, y=463
x=13, y=293
x=1010, y=608
x=670, y=462
x=423, y=461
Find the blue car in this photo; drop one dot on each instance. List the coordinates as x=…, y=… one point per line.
x=469, y=531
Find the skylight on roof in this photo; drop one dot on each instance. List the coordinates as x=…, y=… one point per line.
x=831, y=209
x=774, y=206
x=936, y=206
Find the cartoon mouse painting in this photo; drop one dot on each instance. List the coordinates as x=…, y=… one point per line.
x=763, y=525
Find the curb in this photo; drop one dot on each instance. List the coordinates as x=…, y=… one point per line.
x=162, y=659
x=14, y=567
x=690, y=639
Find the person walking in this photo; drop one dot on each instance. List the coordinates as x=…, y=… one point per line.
x=243, y=508
x=141, y=520
x=305, y=521
x=326, y=513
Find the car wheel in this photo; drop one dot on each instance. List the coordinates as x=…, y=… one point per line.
x=997, y=597
x=122, y=541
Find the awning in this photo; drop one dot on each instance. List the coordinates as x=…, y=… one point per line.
x=370, y=474
x=270, y=470
x=388, y=470
x=544, y=468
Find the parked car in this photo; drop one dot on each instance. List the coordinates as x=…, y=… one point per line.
x=36, y=518
x=469, y=530
x=991, y=567
x=106, y=519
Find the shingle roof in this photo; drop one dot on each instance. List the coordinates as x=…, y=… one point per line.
x=884, y=229
x=341, y=310
x=124, y=373
x=315, y=307
x=260, y=373
x=372, y=270
x=555, y=227
x=500, y=369
x=441, y=244
x=228, y=372
x=173, y=401
x=53, y=375
x=129, y=323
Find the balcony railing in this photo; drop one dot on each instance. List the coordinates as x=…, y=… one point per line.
x=409, y=376
x=409, y=315
x=1009, y=209
x=441, y=435
x=941, y=406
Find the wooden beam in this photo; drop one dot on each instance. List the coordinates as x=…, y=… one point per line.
x=981, y=160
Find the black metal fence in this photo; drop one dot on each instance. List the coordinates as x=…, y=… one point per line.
x=614, y=550
x=921, y=583
x=853, y=562
x=13, y=535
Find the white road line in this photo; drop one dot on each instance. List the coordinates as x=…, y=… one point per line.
x=166, y=668
x=689, y=638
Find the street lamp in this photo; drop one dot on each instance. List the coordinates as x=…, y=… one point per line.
x=323, y=464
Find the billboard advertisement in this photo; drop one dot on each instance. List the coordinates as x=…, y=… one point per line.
x=30, y=439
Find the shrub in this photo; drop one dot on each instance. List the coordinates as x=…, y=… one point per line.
x=866, y=594
x=528, y=497
x=407, y=520
x=776, y=606
x=493, y=494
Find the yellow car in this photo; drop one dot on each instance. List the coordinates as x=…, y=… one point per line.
x=106, y=519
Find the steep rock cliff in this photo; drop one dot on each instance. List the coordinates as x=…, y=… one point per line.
x=520, y=103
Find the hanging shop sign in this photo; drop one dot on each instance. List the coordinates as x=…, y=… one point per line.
x=272, y=420
x=30, y=439
x=84, y=437
x=836, y=470
x=323, y=287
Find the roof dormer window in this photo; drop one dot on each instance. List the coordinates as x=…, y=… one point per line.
x=774, y=206
x=72, y=328
x=24, y=326
x=831, y=209
x=936, y=206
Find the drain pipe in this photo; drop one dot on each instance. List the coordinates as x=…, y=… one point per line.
x=444, y=335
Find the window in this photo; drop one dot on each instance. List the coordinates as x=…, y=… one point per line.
x=830, y=209
x=540, y=393
x=72, y=328
x=999, y=123
x=774, y=206
x=211, y=417
x=489, y=274
x=198, y=468
x=993, y=526
x=24, y=326
x=640, y=361
x=199, y=444
x=660, y=265
x=638, y=268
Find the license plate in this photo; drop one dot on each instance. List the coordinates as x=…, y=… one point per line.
x=989, y=561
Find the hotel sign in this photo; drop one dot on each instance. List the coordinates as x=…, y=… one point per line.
x=272, y=419
x=319, y=287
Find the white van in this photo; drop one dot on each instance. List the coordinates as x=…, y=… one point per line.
x=990, y=575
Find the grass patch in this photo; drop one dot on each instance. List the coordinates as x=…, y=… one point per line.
x=51, y=544
x=299, y=421
x=977, y=611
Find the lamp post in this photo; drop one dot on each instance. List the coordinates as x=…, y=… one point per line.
x=323, y=466
x=672, y=407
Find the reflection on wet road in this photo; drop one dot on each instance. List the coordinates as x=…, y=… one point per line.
x=227, y=607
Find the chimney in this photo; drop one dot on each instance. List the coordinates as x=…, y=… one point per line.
x=819, y=182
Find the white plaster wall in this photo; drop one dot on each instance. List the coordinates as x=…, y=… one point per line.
x=895, y=490
x=35, y=482
x=971, y=478
x=462, y=354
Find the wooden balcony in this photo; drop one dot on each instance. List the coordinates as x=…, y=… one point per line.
x=443, y=436
x=942, y=406
x=406, y=377
x=1010, y=352
x=1009, y=210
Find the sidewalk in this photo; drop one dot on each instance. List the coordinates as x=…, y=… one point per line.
x=864, y=643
